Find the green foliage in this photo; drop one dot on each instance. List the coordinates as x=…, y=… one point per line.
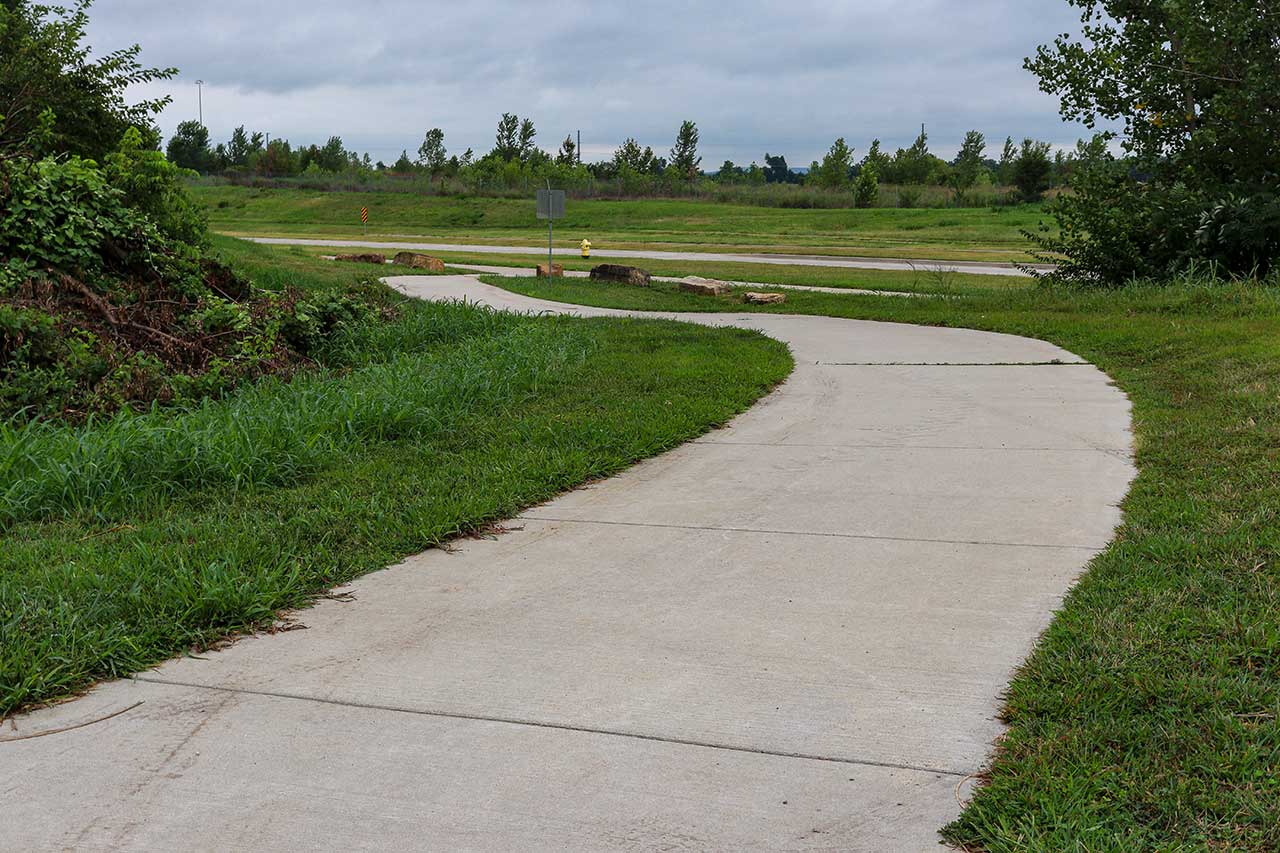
x=915, y=165
x=836, y=166
x=684, y=156
x=1241, y=233
x=62, y=215
x=1032, y=169
x=866, y=188
x=1194, y=85
x=776, y=170
x=568, y=154
x=188, y=148
x=431, y=153
x=968, y=165
x=152, y=186
x=46, y=68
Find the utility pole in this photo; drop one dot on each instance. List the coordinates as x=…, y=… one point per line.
x=579, y=148
x=200, y=98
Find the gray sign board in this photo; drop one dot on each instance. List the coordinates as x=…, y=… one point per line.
x=550, y=204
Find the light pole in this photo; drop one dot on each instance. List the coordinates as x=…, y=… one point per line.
x=200, y=99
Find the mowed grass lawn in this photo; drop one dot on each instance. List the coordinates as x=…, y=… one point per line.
x=132, y=539
x=984, y=234
x=1148, y=717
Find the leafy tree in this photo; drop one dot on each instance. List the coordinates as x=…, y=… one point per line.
x=866, y=188
x=876, y=158
x=431, y=153
x=506, y=144
x=728, y=173
x=568, y=155
x=968, y=167
x=403, y=165
x=333, y=156
x=221, y=160
x=915, y=165
x=684, y=156
x=238, y=147
x=833, y=173
x=630, y=155
x=189, y=147
x=1194, y=85
x=514, y=139
x=1008, y=155
x=776, y=170
x=527, y=133
x=1031, y=170
x=46, y=70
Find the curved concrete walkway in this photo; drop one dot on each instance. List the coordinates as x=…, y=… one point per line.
x=834, y=261
x=789, y=634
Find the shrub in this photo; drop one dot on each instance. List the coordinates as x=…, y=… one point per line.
x=866, y=189
x=1031, y=170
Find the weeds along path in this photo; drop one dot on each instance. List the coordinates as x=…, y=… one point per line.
x=792, y=632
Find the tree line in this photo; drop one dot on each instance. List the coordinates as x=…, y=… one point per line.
x=517, y=161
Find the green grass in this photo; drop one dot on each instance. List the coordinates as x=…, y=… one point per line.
x=1148, y=717
x=129, y=540
x=946, y=234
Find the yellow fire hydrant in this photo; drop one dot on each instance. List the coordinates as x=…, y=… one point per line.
x=586, y=248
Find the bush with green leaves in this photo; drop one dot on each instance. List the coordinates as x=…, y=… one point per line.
x=866, y=187
x=1194, y=87
x=47, y=72
x=1032, y=170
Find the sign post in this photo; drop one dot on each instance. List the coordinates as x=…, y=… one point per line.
x=364, y=218
x=550, y=208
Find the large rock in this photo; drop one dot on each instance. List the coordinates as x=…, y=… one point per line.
x=621, y=274
x=557, y=271
x=420, y=262
x=704, y=286
x=369, y=258
x=753, y=298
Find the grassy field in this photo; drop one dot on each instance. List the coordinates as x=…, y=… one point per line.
x=923, y=280
x=950, y=234
x=132, y=539
x=1148, y=717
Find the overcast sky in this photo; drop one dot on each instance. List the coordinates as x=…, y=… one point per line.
x=783, y=77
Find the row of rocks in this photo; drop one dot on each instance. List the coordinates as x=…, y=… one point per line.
x=711, y=287
x=405, y=259
x=617, y=273
x=691, y=284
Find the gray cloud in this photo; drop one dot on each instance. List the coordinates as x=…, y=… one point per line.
x=757, y=76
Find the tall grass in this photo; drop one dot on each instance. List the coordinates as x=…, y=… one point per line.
x=435, y=366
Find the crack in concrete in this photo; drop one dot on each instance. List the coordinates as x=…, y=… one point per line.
x=565, y=727
x=1090, y=548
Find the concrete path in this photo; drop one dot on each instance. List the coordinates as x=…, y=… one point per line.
x=833, y=261
x=789, y=634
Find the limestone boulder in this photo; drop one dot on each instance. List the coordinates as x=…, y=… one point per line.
x=620, y=274
x=704, y=286
x=419, y=262
x=557, y=271
x=754, y=298
x=369, y=258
